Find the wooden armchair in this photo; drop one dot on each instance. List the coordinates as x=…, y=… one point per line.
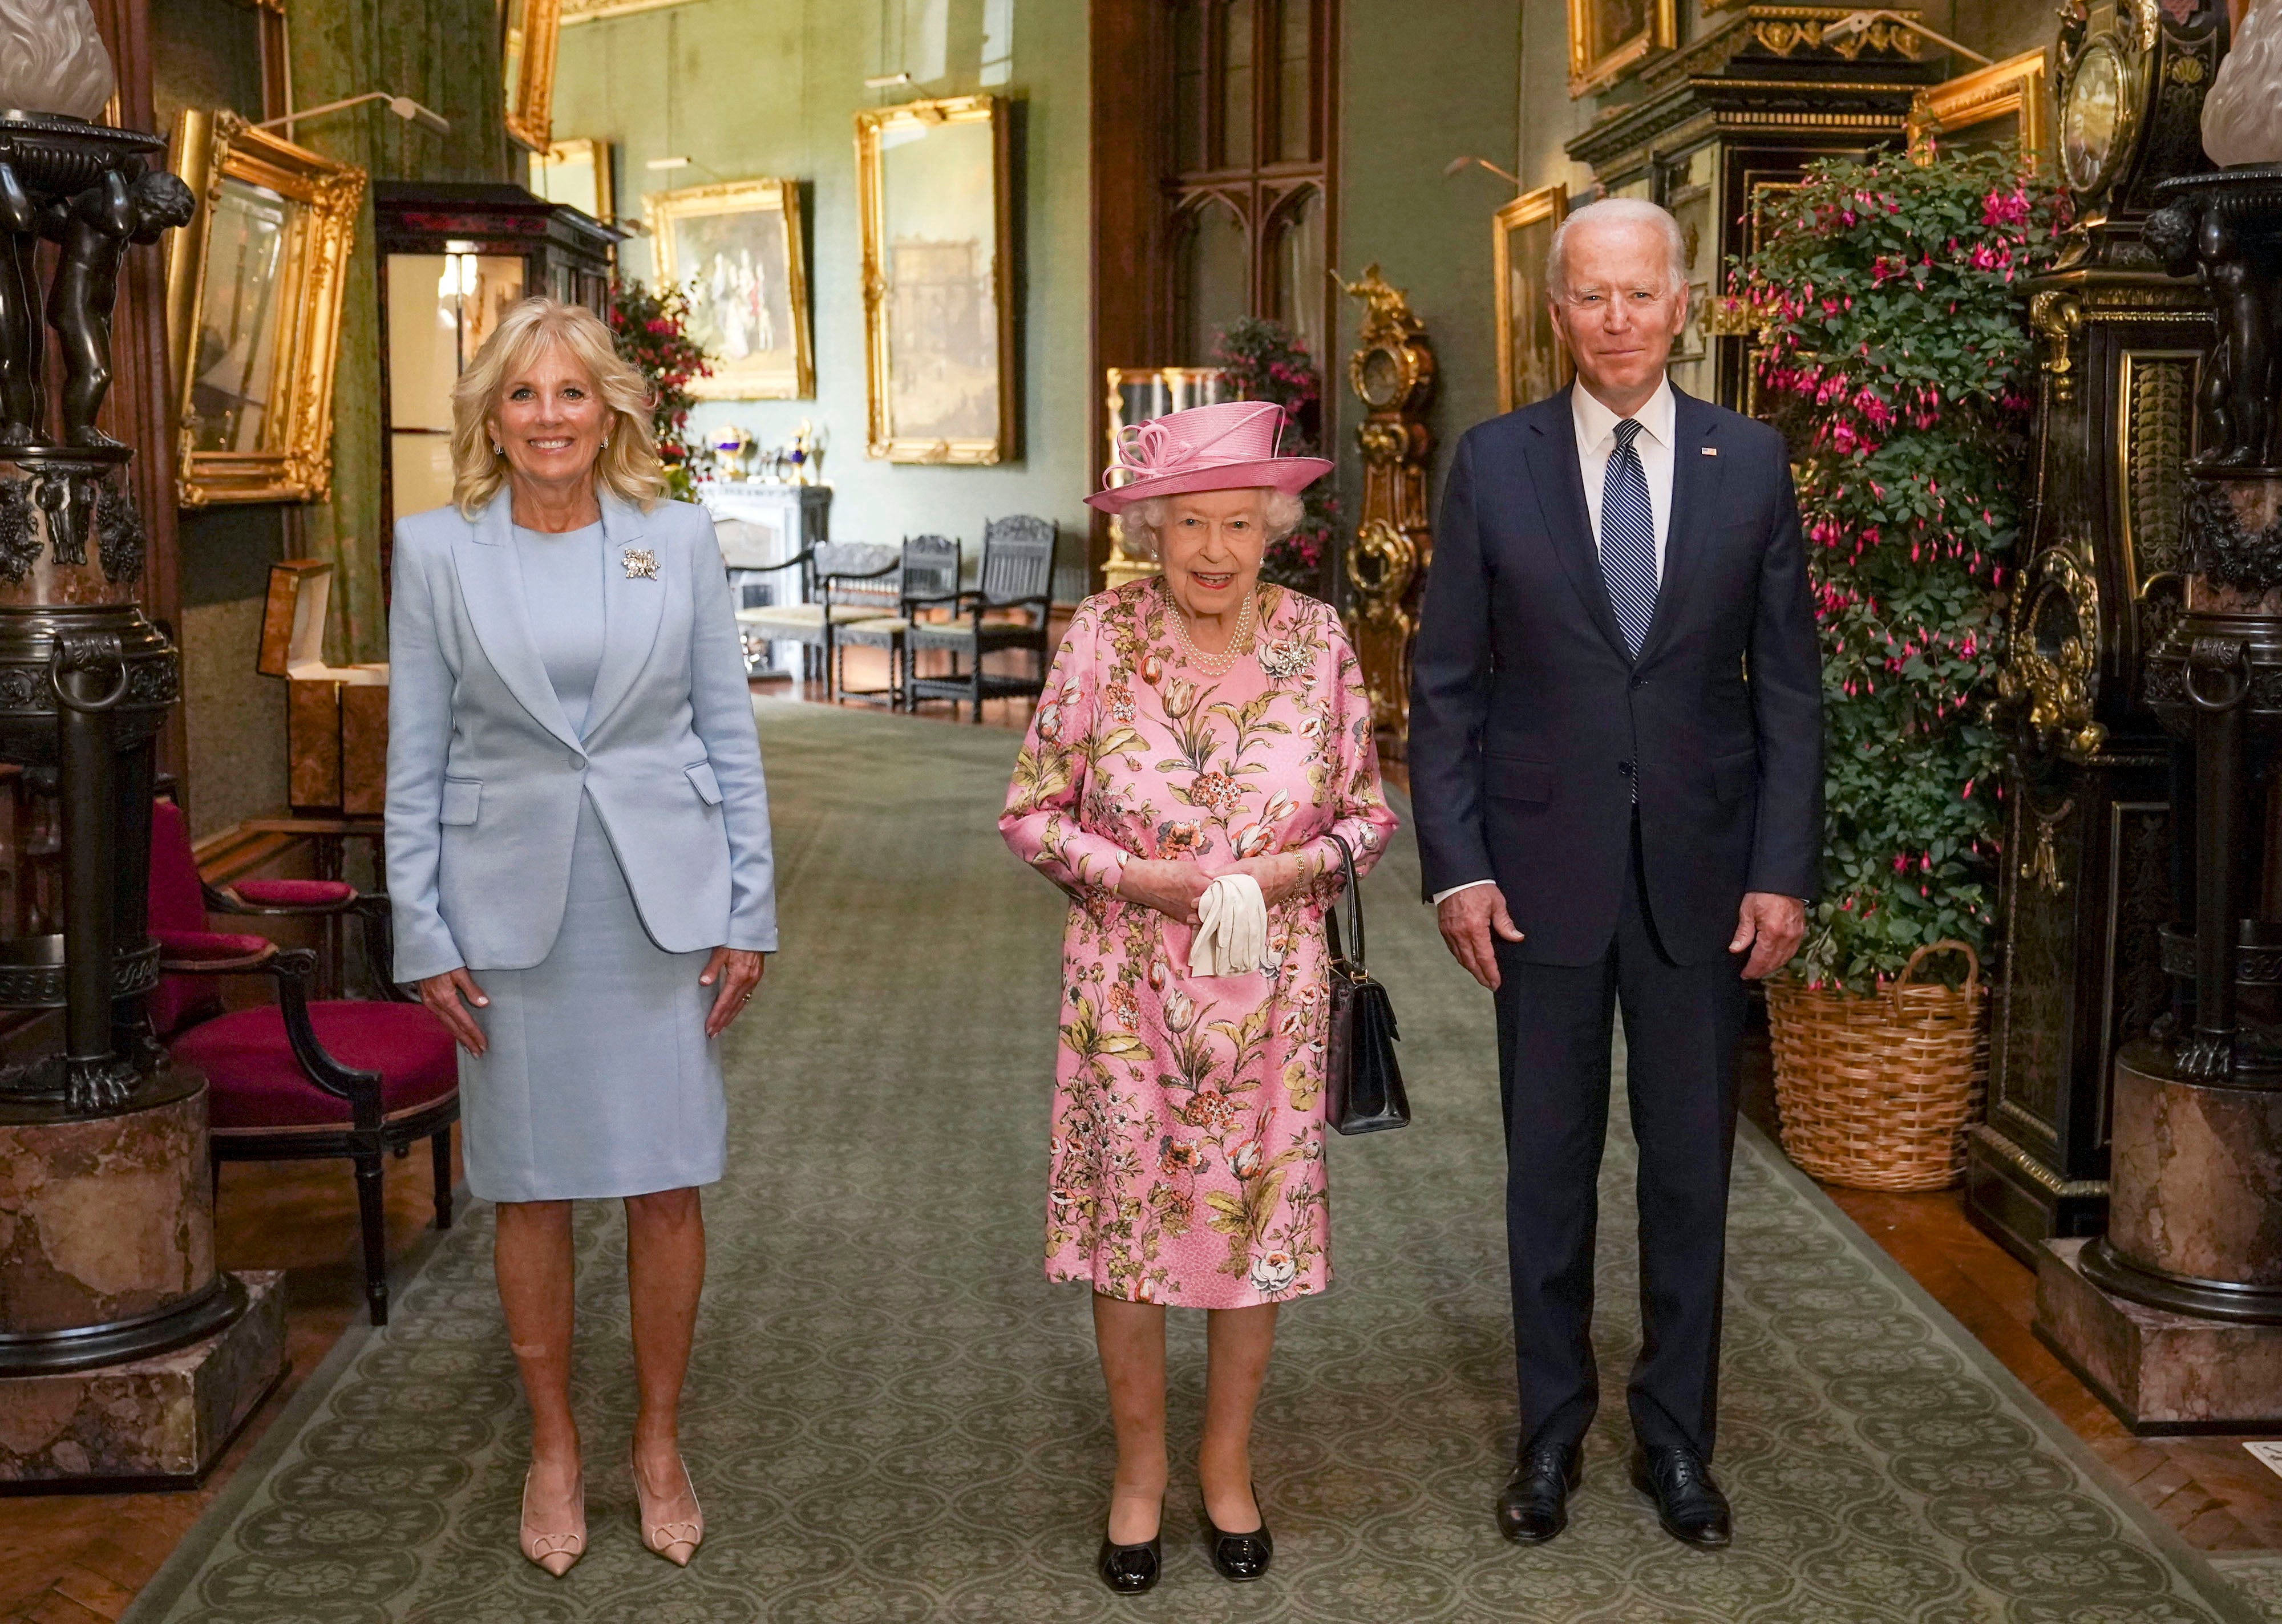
x=929, y=573
x=1008, y=609
x=843, y=582
x=301, y=1077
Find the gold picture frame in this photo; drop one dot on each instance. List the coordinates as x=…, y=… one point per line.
x=2017, y=93
x=594, y=11
x=528, y=29
x=253, y=311
x=1608, y=39
x=738, y=248
x=577, y=172
x=931, y=194
x=1532, y=360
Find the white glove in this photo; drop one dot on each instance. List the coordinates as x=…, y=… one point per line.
x=1233, y=933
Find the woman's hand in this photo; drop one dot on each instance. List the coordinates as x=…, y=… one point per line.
x=738, y=969
x=1171, y=887
x=443, y=994
x=1279, y=877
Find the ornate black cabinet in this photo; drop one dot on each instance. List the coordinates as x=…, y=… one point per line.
x=2087, y=877
x=453, y=256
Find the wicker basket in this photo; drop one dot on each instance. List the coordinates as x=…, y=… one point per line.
x=1876, y=1090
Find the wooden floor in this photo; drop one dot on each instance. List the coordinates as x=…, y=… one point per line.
x=68, y=1559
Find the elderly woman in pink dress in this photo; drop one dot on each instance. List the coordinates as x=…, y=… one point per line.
x=1195, y=726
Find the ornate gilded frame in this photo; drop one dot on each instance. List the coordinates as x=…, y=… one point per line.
x=528, y=29
x=2015, y=89
x=295, y=462
x=593, y=10
x=733, y=380
x=1595, y=64
x=873, y=125
x=597, y=157
x=1548, y=205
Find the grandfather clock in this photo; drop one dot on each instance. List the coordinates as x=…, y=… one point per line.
x=2087, y=882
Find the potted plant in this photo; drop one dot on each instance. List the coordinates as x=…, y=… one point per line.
x=652, y=332
x=1893, y=349
x=1260, y=360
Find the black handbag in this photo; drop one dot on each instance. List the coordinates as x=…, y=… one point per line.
x=1363, y=1082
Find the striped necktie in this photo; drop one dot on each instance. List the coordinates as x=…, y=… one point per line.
x=1628, y=539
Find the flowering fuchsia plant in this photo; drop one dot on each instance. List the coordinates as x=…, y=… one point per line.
x=652, y=332
x=1263, y=360
x=1894, y=352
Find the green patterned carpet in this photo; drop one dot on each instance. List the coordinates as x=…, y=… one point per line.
x=893, y=1418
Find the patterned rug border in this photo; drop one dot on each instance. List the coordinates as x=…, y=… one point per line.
x=2223, y=1597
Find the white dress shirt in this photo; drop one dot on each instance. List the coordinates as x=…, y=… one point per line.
x=1596, y=442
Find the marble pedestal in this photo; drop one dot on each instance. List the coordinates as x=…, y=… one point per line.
x=155, y=1423
x=2158, y=1371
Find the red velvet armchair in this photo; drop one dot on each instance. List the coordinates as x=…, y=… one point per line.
x=301, y=1077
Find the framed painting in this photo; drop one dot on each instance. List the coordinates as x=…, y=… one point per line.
x=736, y=248
x=1532, y=362
x=527, y=65
x=253, y=311
x=1608, y=39
x=938, y=313
x=577, y=173
x=2007, y=101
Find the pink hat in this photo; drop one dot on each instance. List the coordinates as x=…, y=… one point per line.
x=1223, y=447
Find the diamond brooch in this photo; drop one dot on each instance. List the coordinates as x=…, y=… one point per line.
x=641, y=564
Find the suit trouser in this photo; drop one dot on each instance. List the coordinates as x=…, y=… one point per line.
x=1681, y=1026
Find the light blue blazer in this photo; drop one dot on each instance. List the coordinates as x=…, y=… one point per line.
x=484, y=773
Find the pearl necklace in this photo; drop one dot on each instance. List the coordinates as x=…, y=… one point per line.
x=1239, y=642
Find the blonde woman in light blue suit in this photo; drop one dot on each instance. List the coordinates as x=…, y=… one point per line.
x=578, y=863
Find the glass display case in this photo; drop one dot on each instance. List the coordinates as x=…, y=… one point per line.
x=455, y=257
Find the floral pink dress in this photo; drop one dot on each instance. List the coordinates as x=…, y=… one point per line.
x=1187, y=1163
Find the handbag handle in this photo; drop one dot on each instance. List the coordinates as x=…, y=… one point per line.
x=1355, y=909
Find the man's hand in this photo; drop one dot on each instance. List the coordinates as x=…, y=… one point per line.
x=1467, y=919
x=1771, y=926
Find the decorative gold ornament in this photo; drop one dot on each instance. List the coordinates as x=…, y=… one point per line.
x=253, y=311
x=2054, y=664
x=2056, y=316
x=1392, y=372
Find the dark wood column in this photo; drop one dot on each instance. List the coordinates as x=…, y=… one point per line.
x=140, y=409
x=1129, y=126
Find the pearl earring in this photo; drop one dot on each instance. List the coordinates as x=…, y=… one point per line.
x=605, y=442
x=496, y=451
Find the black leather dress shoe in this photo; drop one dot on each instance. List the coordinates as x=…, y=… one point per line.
x=1241, y=1558
x=1688, y=1503
x=1534, y=1506
x=1131, y=1569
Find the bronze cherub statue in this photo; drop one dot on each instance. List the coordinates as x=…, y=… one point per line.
x=95, y=228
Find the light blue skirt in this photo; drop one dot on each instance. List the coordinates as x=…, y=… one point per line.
x=598, y=1079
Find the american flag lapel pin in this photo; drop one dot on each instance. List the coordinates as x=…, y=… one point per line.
x=1711, y=451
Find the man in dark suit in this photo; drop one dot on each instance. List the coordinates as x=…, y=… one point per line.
x=1615, y=760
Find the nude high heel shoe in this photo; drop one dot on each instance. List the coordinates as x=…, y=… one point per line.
x=677, y=1541
x=557, y=1553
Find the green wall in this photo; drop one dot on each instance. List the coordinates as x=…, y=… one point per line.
x=750, y=88
x=1420, y=85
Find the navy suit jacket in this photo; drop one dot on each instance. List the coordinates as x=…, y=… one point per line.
x=1530, y=725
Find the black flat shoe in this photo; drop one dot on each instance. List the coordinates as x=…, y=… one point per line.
x=1534, y=1506
x=1688, y=1503
x=1131, y=1569
x=1241, y=1558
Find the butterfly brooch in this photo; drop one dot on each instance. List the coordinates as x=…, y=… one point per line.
x=641, y=564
